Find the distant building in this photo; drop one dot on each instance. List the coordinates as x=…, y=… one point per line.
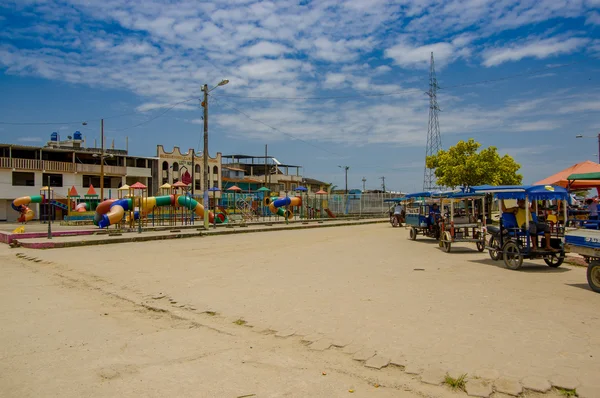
x=24, y=170
x=253, y=172
x=187, y=167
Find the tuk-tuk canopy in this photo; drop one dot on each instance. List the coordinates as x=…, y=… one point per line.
x=532, y=192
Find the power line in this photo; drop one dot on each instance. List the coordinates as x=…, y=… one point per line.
x=278, y=130
x=91, y=120
x=411, y=90
x=157, y=116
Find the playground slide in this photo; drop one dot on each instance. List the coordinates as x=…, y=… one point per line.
x=329, y=213
x=20, y=205
x=112, y=211
x=276, y=206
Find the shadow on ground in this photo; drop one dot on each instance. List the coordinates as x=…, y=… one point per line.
x=527, y=266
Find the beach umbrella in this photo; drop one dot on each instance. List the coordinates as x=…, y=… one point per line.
x=235, y=189
x=321, y=193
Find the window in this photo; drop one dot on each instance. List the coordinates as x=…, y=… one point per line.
x=215, y=170
x=197, y=185
x=55, y=180
x=22, y=179
x=294, y=186
x=197, y=169
x=282, y=187
x=175, y=167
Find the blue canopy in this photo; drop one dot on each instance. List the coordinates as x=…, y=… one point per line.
x=465, y=195
x=533, y=192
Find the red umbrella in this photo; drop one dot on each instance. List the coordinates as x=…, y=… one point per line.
x=235, y=189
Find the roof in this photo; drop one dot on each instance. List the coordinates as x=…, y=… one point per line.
x=533, y=192
x=263, y=157
x=233, y=168
x=73, y=192
x=138, y=185
x=561, y=178
x=91, y=191
x=315, y=182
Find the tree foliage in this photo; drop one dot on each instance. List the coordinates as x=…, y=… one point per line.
x=462, y=164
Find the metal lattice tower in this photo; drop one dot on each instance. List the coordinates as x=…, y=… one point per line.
x=434, y=138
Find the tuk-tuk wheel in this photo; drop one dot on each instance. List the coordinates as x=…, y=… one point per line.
x=555, y=260
x=446, y=241
x=480, y=246
x=412, y=235
x=513, y=258
x=593, y=276
x=495, y=251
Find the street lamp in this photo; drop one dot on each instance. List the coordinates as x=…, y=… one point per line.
x=346, y=172
x=587, y=136
x=205, y=151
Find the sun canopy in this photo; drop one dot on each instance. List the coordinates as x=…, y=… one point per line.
x=584, y=177
x=562, y=178
x=533, y=192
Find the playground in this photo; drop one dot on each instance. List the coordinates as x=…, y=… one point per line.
x=174, y=205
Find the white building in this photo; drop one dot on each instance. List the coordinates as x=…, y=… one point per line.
x=24, y=170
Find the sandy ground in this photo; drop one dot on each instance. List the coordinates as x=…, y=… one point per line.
x=61, y=338
x=365, y=284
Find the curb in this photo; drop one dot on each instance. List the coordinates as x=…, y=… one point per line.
x=142, y=238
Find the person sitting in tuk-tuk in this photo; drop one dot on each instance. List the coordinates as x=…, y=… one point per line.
x=399, y=212
x=434, y=213
x=520, y=213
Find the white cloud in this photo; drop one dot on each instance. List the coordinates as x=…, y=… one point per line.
x=540, y=49
x=265, y=48
x=410, y=56
x=593, y=18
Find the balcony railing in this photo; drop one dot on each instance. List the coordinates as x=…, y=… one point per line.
x=95, y=169
x=61, y=167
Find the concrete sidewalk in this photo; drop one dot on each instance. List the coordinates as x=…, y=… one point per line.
x=175, y=233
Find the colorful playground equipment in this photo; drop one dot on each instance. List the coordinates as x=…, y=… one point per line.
x=276, y=206
x=112, y=211
x=21, y=205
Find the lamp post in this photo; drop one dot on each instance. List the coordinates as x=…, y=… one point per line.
x=346, y=173
x=205, y=151
x=587, y=136
x=102, y=155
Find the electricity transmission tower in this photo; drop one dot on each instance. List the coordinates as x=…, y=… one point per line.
x=382, y=183
x=434, y=138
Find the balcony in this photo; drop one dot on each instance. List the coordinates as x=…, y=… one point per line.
x=138, y=172
x=34, y=164
x=95, y=169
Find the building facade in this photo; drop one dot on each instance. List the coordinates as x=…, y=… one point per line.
x=24, y=170
x=188, y=167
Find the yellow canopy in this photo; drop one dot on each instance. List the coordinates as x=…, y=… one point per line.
x=165, y=186
x=124, y=188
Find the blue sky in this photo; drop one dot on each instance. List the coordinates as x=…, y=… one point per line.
x=69, y=61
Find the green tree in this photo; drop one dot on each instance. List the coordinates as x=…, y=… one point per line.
x=464, y=164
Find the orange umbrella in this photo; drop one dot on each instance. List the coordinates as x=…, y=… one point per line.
x=560, y=178
x=235, y=189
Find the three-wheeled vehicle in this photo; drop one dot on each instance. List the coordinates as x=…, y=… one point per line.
x=512, y=242
x=586, y=241
x=396, y=220
x=465, y=220
x=423, y=214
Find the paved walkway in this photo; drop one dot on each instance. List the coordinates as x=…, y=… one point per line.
x=370, y=289
x=177, y=233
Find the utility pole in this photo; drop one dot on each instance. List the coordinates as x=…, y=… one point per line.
x=346, y=175
x=364, y=180
x=434, y=138
x=266, y=167
x=102, y=160
x=205, y=155
x=382, y=183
